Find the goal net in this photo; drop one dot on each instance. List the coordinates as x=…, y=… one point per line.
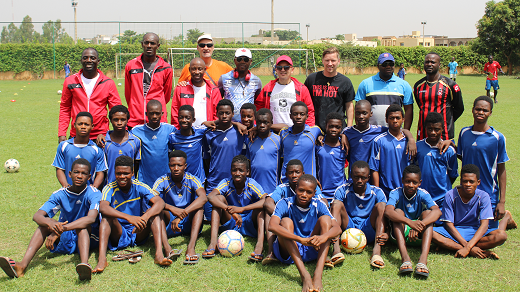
x=123, y=58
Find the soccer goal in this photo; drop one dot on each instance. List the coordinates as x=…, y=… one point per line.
x=123, y=58
x=263, y=59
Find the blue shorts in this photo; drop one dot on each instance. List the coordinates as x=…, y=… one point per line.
x=126, y=239
x=493, y=83
x=207, y=210
x=308, y=253
x=184, y=225
x=492, y=223
x=366, y=227
x=68, y=243
x=467, y=232
x=247, y=229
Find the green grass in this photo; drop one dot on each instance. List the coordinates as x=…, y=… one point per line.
x=28, y=131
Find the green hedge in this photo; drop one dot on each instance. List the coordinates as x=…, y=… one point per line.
x=39, y=57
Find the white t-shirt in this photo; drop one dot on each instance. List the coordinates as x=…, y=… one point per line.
x=199, y=104
x=89, y=84
x=282, y=98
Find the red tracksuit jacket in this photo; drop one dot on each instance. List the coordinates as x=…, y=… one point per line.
x=185, y=95
x=74, y=100
x=160, y=89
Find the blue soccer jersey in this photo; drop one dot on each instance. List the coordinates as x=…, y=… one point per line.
x=251, y=193
x=361, y=141
x=265, y=155
x=131, y=203
x=130, y=148
x=239, y=90
x=192, y=146
x=221, y=147
x=436, y=169
x=359, y=208
x=414, y=206
x=301, y=146
x=68, y=152
x=304, y=219
x=72, y=206
x=178, y=197
x=466, y=214
x=154, y=155
x=284, y=191
x=485, y=150
x=331, y=168
x=388, y=157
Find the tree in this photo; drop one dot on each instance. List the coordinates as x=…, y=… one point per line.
x=377, y=41
x=193, y=34
x=60, y=36
x=340, y=37
x=267, y=34
x=287, y=35
x=4, y=36
x=131, y=37
x=26, y=30
x=499, y=31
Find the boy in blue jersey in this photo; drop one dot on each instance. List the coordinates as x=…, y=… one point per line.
x=190, y=140
x=411, y=207
x=80, y=147
x=299, y=141
x=485, y=147
x=78, y=205
x=304, y=228
x=154, y=137
x=119, y=141
x=388, y=156
x=361, y=135
x=286, y=190
x=331, y=157
x=184, y=196
x=264, y=152
x=125, y=221
x=466, y=215
x=247, y=115
x=439, y=169
x=238, y=204
x=222, y=144
x=361, y=205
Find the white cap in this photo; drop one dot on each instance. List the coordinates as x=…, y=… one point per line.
x=243, y=52
x=205, y=37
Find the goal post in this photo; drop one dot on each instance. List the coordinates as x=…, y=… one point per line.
x=263, y=58
x=123, y=58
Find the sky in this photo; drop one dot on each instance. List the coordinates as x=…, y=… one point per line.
x=365, y=18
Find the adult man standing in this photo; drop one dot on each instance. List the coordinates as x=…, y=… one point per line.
x=214, y=68
x=280, y=94
x=199, y=93
x=240, y=85
x=437, y=93
x=66, y=67
x=453, y=69
x=87, y=91
x=492, y=68
x=147, y=77
x=384, y=89
x=331, y=91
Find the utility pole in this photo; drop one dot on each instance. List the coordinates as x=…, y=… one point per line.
x=74, y=5
x=307, y=26
x=423, y=24
x=272, y=21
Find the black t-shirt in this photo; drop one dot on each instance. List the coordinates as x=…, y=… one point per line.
x=329, y=94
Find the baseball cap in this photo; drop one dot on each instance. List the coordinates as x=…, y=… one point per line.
x=205, y=37
x=284, y=58
x=385, y=57
x=243, y=52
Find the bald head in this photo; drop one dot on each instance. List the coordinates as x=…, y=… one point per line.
x=151, y=35
x=197, y=61
x=363, y=103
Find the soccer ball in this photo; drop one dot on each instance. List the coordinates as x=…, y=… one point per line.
x=119, y=84
x=492, y=94
x=230, y=243
x=59, y=91
x=353, y=240
x=12, y=165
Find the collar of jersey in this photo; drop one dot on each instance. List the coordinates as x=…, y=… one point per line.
x=307, y=128
x=393, y=79
x=404, y=137
x=368, y=190
x=130, y=136
x=76, y=194
x=160, y=124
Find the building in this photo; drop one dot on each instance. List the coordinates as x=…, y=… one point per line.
x=415, y=40
x=445, y=41
x=385, y=41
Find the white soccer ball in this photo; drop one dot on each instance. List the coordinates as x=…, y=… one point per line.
x=119, y=84
x=491, y=94
x=59, y=92
x=353, y=240
x=230, y=243
x=12, y=165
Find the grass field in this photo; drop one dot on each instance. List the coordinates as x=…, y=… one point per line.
x=28, y=131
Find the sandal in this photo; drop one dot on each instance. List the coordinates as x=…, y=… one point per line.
x=406, y=268
x=424, y=268
x=84, y=272
x=128, y=255
x=256, y=257
x=377, y=258
x=328, y=263
x=174, y=253
x=7, y=265
x=208, y=255
x=134, y=260
x=191, y=260
x=337, y=259
x=269, y=260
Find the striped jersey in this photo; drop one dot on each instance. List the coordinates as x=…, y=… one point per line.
x=251, y=193
x=444, y=97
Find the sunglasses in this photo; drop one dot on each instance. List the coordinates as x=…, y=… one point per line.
x=206, y=45
x=245, y=59
x=386, y=64
x=286, y=68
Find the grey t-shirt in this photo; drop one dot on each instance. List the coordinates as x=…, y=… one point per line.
x=147, y=75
